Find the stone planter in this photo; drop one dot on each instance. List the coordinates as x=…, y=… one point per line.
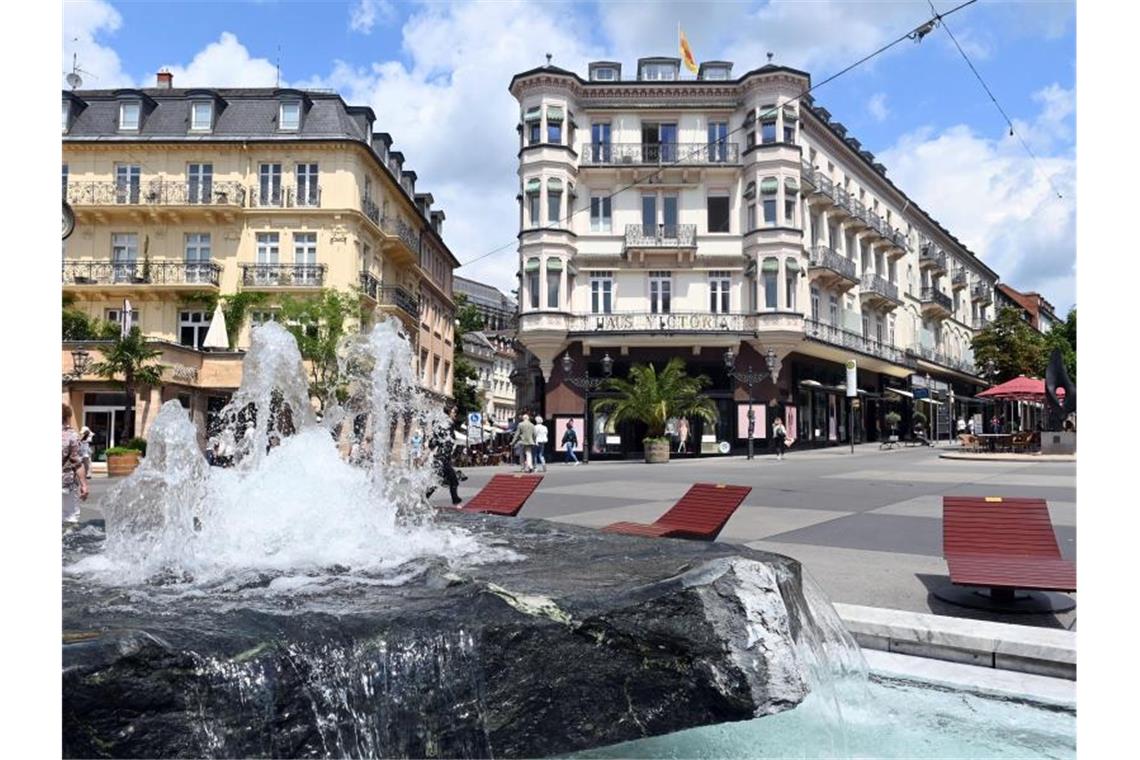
x=122, y=464
x=656, y=452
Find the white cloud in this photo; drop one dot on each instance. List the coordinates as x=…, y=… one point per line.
x=365, y=13
x=997, y=200
x=877, y=107
x=86, y=27
x=225, y=63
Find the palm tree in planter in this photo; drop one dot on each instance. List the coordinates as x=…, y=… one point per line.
x=132, y=360
x=653, y=398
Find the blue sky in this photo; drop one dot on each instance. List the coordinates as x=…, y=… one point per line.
x=437, y=73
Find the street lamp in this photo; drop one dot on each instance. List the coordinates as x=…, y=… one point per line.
x=750, y=378
x=80, y=361
x=587, y=384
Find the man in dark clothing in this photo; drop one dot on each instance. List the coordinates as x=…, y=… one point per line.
x=443, y=444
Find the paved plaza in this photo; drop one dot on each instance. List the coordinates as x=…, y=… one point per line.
x=867, y=526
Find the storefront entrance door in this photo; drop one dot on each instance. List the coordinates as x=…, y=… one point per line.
x=108, y=428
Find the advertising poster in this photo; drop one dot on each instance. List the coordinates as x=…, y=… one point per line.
x=560, y=429
x=760, y=431
x=791, y=423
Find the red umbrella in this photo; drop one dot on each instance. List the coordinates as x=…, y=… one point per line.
x=1020, y=388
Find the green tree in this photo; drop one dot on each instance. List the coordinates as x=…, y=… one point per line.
x=1012, y=345
x=468, y=318
x=465, y=376
x=318, y=323
x=79, y=326
x=1063, y=336
x=653, y=397
x=130, y=363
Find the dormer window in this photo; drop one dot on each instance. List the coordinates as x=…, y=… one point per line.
x=201, y=116
x=605, y=74
x=66, y=114
x=129, y=115
x=290, y=118
x=658, y=71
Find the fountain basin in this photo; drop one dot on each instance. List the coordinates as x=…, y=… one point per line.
x=590, y=639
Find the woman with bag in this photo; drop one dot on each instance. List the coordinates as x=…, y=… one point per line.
x=779, y=435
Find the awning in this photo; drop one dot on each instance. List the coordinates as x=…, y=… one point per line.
x=769, y=185
x=791, y=185
x=554, y=184
x=532, y=185
x=532, y=265
x=533, y=114
x=770, y=265
x=790, y=114
x=792, y=265
x=554, y=265
x=553, y=113
x=908, y=394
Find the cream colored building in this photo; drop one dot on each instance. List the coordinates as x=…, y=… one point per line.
x=177, y=192
x=662, y=216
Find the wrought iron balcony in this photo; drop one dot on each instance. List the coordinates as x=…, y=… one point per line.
x=935, y=356
x=822, y=257
x=824, y=185
x=661, y=236
x=932, y=258
x=394, y=225
x=837, y=336
x=873, y=283
x=934, y=296
x=308, y=196
x=843, y=199
x=859, y=211
x=656, y=154
x=156, y=193
x=807, y=173
x=282, y=275
x=982, y=293
x=960, y=279
x=77, y=272
x=898, y=237
x=370, y=210
x=393, y=295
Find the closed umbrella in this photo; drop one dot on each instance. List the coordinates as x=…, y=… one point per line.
x=216, y=336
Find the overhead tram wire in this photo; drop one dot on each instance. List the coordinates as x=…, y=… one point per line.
x=997, y=105
x=915, y=34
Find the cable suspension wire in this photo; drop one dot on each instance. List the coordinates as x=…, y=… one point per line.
x=915, y=34
x=982, y=82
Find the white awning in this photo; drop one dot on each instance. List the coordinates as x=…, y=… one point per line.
x=908, y=394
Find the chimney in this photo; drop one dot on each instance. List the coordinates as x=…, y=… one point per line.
x=165, y=80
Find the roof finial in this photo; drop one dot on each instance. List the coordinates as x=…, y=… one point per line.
x=548, y=57
x=771, y=56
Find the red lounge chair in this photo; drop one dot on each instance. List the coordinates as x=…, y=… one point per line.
x=1005, y=545
x=701, y=514
x=503, y=495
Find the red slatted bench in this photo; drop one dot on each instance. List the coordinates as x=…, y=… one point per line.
x=1005, y=544
x=503, y=495
x=701, y=514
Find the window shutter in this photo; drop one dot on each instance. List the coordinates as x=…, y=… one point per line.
x=769, y=185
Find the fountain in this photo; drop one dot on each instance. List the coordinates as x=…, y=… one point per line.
x=301, y=604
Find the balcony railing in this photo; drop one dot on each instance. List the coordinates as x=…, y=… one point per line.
x=898, y=237
x=937, y=357
x=822, y=256
x=394, y=295
x=156, y=193
x=807, y=173
x=960, y=279
x=394, y=225
x=859, y=211
x=282, y=275
x=874, y=283
x=843, y=199
x=935, y=296
x=673, y=322
x=307, y=196
x=824, y=185
x=983, y=293
x=371, y=210
x=932, y=257
x=660, y=236
x=141, y=273
x=655, y=154
x=837, y=336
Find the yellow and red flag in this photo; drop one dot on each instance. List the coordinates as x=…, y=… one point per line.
x=687, y=52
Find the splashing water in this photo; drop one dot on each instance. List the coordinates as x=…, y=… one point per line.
x=291, y=504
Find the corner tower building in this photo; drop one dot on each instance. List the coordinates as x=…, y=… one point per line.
x=662, y=216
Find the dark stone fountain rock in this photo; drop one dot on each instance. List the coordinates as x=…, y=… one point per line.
x=591, y=639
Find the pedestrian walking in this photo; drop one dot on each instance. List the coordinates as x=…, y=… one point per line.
x=417, y=446
x=570, y=442
x=74, y=478
x=779, y=435
x=682, y=436
x=524, y=437
x=85, y=439
x=443, y=445
x=970, y=426
x=541, y=436
x=961, y=426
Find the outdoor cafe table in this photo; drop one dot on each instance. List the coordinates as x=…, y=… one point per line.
x=992, y=439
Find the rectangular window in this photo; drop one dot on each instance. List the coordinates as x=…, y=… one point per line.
x=199, y=183
x=553, y=286
x=833, y=310
x=600, y=143
x=601, y=292
x=554, y=132
x=435, y=372
x=815, y=303
x=718, y=141
x=128, y=178
x=879, y=329
x=197, y=253
x=891, y=330
x=124, y=256
x=790, y=208
x=290, y=115
x=669, y=214
x=553, y=208
x=534, y=129
x=305, y=259
x=268, y=248
x=532, y=288
x=717, y=207
x=751, y=216
x=660, y=292
x=659, y=71
x=532, y=202
x=790, y=281
x=768, y=132
x=192, y=327
x=649, y=214
x=770, y=288
x=770, y=211
x=790, y=133
x=116, y=316
x=269, y=185
x=129, y=116
x=308, y=189
x=720, y=284
x=600, y=216
x=201, y=116
x=866, y=325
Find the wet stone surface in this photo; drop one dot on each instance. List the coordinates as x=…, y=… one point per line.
x=587, y=640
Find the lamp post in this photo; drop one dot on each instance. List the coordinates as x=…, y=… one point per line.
x=750, y=378
x=587, y=384
x=80, y=361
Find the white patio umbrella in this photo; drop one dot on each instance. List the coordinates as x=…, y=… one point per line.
x=127, y=318
x=216, y=336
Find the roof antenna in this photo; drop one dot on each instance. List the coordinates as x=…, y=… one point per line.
x=73, y=79
x=278, y=66
x=548, y=57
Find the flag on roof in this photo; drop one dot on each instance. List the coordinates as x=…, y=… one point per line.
x=687, y=52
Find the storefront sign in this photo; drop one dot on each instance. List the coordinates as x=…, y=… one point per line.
x=183, y=374
x=645, y=322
